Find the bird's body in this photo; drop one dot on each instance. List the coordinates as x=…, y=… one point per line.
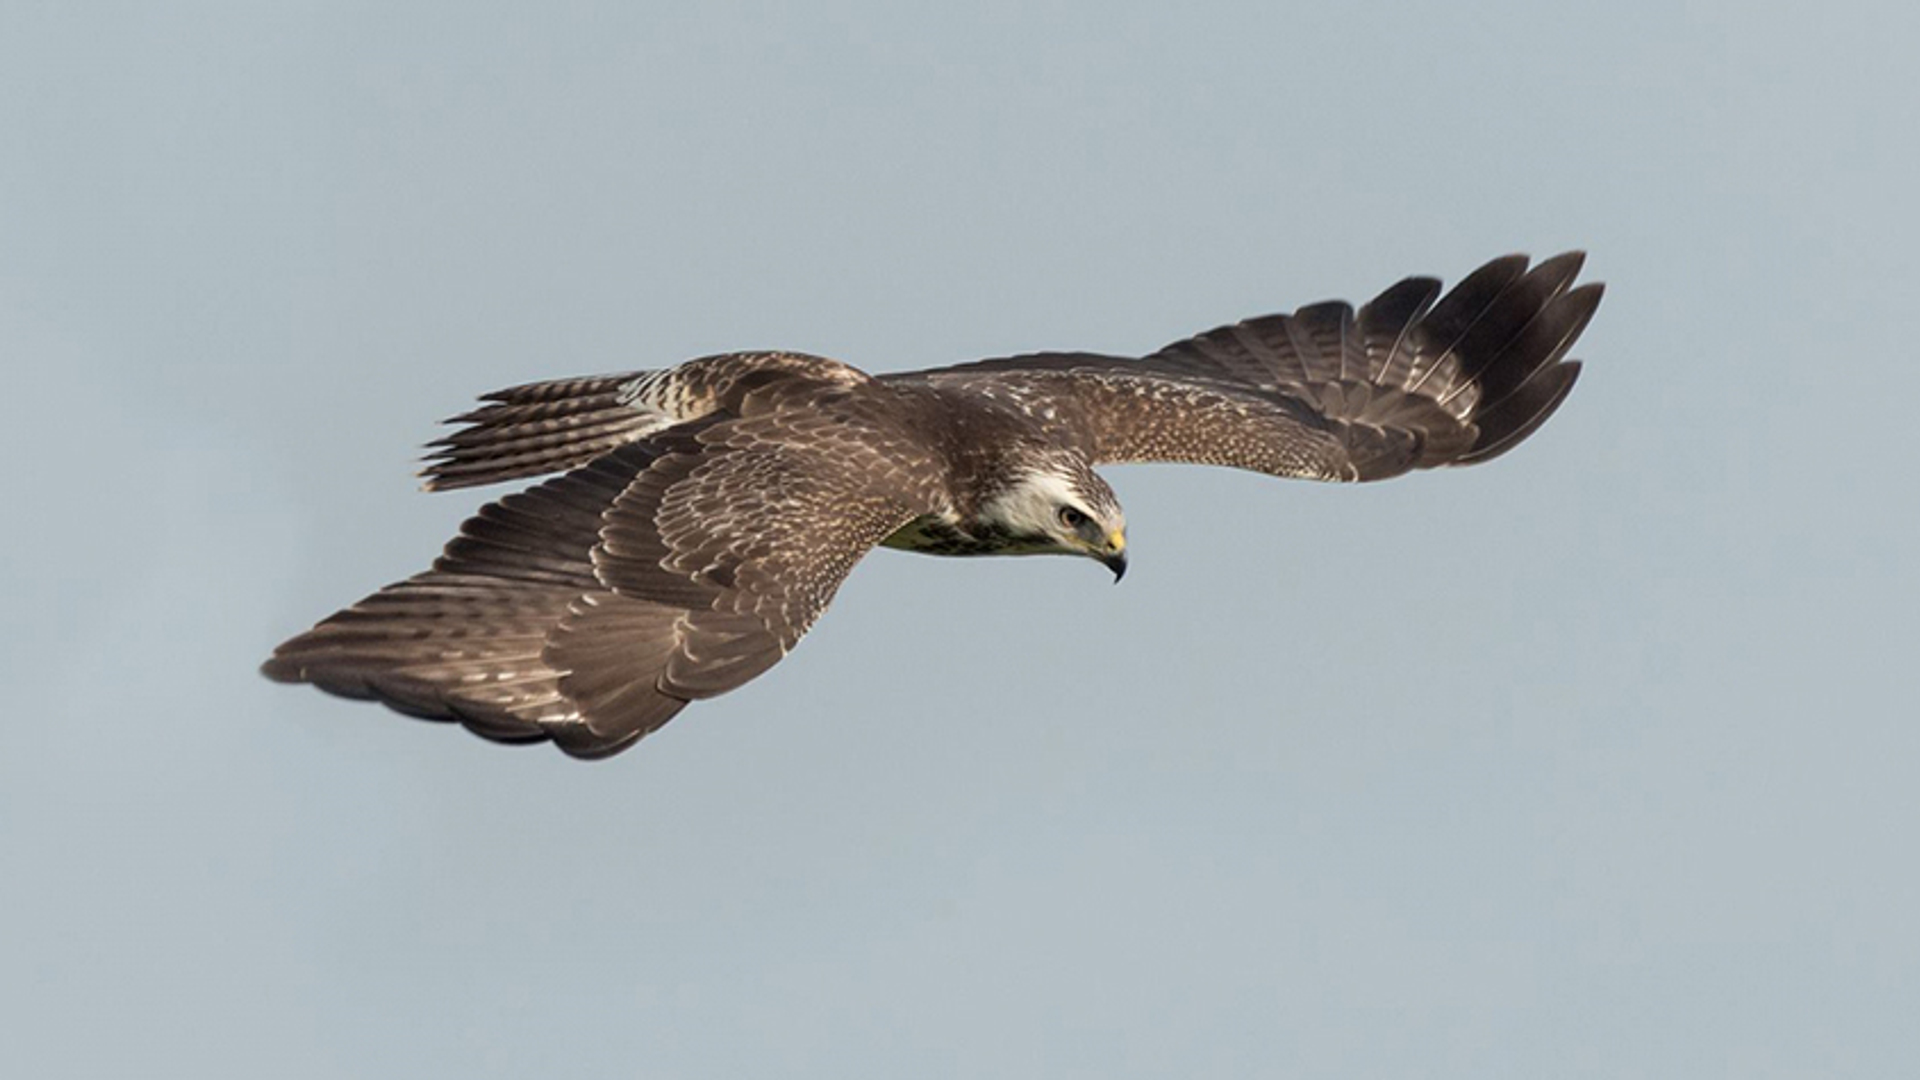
x=705, y=514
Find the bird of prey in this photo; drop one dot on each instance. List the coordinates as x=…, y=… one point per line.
x=705, y=514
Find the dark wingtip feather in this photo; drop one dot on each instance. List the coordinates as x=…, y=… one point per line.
x=283, y=669
x=1511, y=376
x=1563, y=267
x=1509, y=423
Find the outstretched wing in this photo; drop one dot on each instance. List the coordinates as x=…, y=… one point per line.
x=591, y=608
x=720, y=556
x=550, y=426
x=1325, y=392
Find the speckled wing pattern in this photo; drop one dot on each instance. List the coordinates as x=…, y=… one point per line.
x=591, y=608
x=1325, y=392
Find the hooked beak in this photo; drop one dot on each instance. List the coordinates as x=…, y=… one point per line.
x=1116, y=557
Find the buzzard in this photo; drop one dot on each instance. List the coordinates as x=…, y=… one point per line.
x=704, y=515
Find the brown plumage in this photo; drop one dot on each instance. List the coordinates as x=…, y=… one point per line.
x=708, y=512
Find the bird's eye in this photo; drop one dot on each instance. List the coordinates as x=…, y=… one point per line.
x=1071, y=517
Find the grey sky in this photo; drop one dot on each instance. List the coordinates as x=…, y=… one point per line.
x=1595, y=761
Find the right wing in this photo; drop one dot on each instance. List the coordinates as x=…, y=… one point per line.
x=592, y=608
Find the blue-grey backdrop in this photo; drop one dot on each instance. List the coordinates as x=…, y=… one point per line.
x=1597, y=761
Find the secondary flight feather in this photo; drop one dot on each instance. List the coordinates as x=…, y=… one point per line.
x=704, y=515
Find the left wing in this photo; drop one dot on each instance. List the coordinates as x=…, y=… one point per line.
x=1326, y=392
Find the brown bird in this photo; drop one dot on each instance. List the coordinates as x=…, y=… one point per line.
x=707, y=513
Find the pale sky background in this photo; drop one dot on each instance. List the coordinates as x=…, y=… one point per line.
x=1598, y=761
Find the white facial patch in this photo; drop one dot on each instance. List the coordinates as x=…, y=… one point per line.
x=1032, y=505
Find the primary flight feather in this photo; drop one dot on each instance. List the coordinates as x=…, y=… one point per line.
x=705, y=514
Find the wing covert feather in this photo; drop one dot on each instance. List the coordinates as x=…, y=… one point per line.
x=721, y=555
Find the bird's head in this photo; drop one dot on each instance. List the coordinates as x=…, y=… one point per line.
x=1061, y=507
